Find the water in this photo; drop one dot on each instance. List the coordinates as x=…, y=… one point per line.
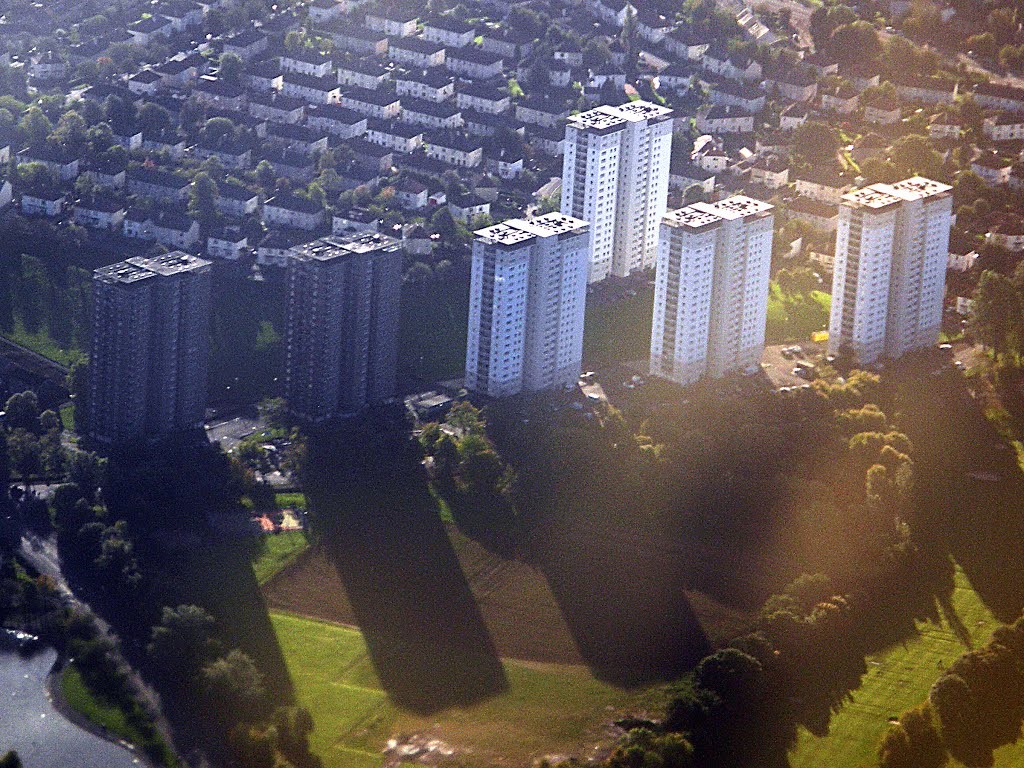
x=41, y=736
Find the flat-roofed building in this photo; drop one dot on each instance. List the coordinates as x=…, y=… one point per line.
x=615, y=176
x=527, y=298
x=342, y=327
x=711, y=289
x=150, y=348
x=892, y=248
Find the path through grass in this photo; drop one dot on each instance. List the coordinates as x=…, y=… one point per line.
x=897, y=679
x=544, y=708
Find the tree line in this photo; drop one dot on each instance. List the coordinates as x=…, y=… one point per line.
x=973, y=708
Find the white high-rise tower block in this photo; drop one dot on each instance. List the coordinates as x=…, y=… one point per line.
x=892, y=246
x=615, y=177
x=711, y=289
x=527, y=297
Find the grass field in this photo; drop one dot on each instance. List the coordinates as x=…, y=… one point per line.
x=898, y=678
x=43, y=344
x=290, y=500
x=544, y=709
x=794, y=317
x=432, y=331
x=67, y=417
x=620, y=331
x=279, y=550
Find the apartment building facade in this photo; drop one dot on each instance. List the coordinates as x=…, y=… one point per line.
x=527, y=298
x=615, y=176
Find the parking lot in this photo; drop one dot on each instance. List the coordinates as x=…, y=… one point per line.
x=230, y=432
x=779, y=368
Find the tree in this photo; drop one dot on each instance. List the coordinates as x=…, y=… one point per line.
x=983, y=45
x=24, y=451
x=729, y=673
x=23, y=411
x=596, y=53
x=49, y=421
x=954, y=705
x=467, y=419
x=913, y=742
x=10, y=760
x=901, y=55
x=854, y=42
x=202, y=196
x=526, y=22
x=295, y=40
x=827, y=19
x=35, y=126
x=816, y=143
x=71, y=131
x=153, y=118
x=182, y=643
x=231, y=68
x=997, y=307
x=266, y=177
x=480, y=466
x=219, y=129
x=234, y=688
x=913, y=155
x=68, y=515
x=643, y=748
x=86, y=471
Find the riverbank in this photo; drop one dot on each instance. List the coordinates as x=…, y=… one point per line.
x=42, y=731
x=58, y=698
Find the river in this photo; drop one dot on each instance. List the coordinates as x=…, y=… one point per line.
x=41, y=736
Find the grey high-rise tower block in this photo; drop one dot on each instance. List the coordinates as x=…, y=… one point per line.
x=150, y=348
x=343, y=309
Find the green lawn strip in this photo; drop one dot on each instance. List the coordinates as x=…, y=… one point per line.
x=432, y=330
x=279, y=550
x=290, y=500
x=897, y=679
x=102, y=713
x=43, y=344
x=443, y=510
x=67, y=417
x=544, y=709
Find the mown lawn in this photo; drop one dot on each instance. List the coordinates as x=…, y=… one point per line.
x=99, y=712
x=279, y=550
x=543, y=709
x=290, y=500
x=898, y=678
x=43, y=344
x=432, y=330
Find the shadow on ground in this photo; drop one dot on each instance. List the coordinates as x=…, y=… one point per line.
x=970, y=490
x=379, y=526
x=624, y=602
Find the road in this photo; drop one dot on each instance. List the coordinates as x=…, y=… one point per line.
x=230, y=432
